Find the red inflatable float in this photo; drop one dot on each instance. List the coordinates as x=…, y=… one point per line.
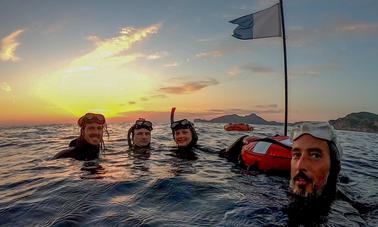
x=238, y=127
x=267, y=154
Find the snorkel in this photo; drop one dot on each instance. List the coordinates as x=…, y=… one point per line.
x=178, y=126
x=173, y=115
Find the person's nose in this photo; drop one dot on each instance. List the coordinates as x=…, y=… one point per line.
x=302, y=164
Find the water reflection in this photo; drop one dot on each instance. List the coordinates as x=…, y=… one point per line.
x=139, y=160
x=92, y=170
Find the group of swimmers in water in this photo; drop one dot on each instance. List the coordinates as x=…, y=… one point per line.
x=92, y=127
x=315, y=162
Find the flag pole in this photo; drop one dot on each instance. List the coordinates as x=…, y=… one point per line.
x=285, y=63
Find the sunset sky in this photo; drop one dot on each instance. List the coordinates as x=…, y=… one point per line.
x=129, y=59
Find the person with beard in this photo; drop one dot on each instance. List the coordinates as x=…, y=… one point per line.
x=139, y=135
x=87, y=146
x=315, y=167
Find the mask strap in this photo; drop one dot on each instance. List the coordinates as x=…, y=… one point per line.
x=129, y=142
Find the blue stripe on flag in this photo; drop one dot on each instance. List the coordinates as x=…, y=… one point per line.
x=244, y=30
x=262, y=24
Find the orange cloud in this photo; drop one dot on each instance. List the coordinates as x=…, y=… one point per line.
x=158, y=96
x=188, y=87
x=9, y=45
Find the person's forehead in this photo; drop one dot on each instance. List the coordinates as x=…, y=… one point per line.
x=182, y=130
x=141, y=130
x=93, y=125
x=309, y=141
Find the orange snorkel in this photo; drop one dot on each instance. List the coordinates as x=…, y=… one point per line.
x=173, y=114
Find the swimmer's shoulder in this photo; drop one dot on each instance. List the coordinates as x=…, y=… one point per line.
x=66, y=153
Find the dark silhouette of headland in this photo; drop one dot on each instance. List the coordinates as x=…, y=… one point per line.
x=361, y=121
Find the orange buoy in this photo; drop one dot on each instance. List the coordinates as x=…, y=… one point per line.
x=238, y=127
x=267, y=154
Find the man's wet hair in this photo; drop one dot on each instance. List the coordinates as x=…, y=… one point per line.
x=81, y=137
x=331, y=186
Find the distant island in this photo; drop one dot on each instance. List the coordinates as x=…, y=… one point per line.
x=234, y=118
x=362, y=121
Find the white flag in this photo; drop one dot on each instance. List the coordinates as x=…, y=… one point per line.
x=262, y=24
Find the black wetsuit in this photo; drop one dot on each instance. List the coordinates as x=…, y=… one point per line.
x=186, y=153
x=233, y=152
x=80, y=150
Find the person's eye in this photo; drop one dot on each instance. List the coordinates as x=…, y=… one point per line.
x=316, y=155
x=296, y=155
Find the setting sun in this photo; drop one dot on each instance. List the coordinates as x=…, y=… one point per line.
x=101, y=80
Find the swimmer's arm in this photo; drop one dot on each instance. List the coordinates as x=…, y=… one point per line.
x=205, y=149
x=64, y=154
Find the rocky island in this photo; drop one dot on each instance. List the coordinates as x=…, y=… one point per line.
x=362, y=121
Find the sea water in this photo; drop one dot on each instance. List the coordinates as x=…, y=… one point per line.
x=158, y=189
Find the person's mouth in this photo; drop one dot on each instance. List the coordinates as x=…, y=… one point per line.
x=301, y=182
x=302, y=179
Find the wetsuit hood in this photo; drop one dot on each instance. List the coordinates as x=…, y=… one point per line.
x=130, y=136
x=189, y=126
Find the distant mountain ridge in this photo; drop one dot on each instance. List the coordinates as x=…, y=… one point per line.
x=234, y=118
x=362, y=121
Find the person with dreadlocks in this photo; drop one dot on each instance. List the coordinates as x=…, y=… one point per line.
x=185, y=136
x=139, y=134
x=315, y=167
x=88, y=145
